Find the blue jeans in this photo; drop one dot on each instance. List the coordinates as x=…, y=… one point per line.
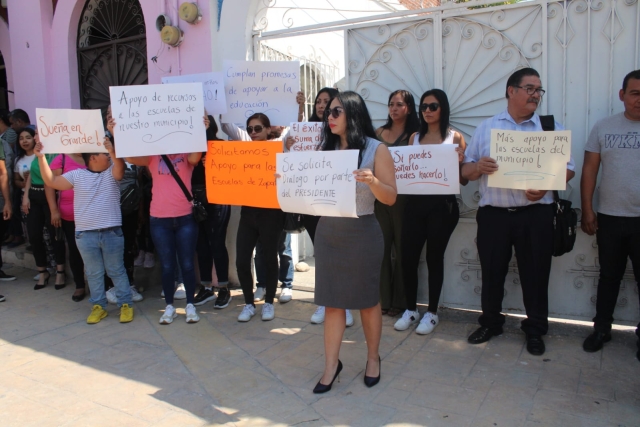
x=285, y=271
x=104, y=250
x=171, y=237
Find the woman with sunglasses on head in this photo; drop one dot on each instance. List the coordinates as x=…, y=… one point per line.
x=429, y=218
x=40, y=205
x=263, y=225
x=349, y=251
x=402, y=122
x=310, y=222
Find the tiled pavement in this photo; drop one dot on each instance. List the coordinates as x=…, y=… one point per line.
x=59, y=371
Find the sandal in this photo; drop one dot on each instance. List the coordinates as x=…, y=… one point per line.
x=385, y=311
x=59, y=286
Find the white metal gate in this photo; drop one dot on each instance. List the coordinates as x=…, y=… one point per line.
x=582, y=49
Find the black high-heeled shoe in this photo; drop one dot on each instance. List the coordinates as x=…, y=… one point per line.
x=322, y=388
x=59, y=286
x=46, y=281
x=371, y=381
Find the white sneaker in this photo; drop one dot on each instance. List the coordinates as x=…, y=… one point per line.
x=135, y=295
x=285, y=295
x=149, y=260
x=162, y=293
x=408, y=318
x=181, y=292
x=318, y=316
x=192, y=314
x=111, y=296
x=247, y=313
x=349, y=318
x=169, y=315
x=427, y=324
x=139, y=261
x=258, y=295
x=268, y=312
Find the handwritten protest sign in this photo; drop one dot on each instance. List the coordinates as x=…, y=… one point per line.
x=318, y=182
x=212, y=89
x=158, y=119
x=261, y=87
x=530, y=160
x=242, y=173
x=308, y=135
x=427, y=169
x=70, y=131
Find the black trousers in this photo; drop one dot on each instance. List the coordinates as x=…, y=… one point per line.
x=528, y=230
x=618, y=239
x=75, y=259
x=39, y=217
x=430, y=219
x=264, y=225
x=211, y=247
x=3, y=227
x=310, y=223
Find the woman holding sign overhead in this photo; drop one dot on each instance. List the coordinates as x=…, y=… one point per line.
x=429, y=218
x=402, y=122
x=349, y=251
x=173, y=229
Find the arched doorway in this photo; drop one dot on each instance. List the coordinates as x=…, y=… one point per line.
x=112, y=49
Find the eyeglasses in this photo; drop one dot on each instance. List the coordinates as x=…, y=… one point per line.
x=397, y=104
x=334, y=112
x=431, y=107
x=531, y=90
x=257, y=129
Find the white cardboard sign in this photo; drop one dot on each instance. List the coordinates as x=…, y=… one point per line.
x=308, y=135
x=530, y=160
x=427, y=169
x=70, y=131
x=318, y=182
x=212, y=89
x=158, y=119
x=261, y=87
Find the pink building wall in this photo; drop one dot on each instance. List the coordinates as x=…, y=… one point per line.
x=39, y=48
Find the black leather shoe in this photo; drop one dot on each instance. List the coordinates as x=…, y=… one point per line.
x=483, y=334
x=322, y=388
x=595, y=341
x=535, y=345
x=371, y=381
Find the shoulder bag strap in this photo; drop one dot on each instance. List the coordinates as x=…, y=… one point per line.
x=177, y=178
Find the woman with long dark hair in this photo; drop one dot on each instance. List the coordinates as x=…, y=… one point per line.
x=402, y=122
x=429, y=218
x=40, y=205
x=349, y=251
x=310, y=222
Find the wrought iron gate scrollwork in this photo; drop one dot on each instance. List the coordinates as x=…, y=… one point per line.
x=112, y=49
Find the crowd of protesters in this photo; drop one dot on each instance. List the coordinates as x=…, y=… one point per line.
x=106, y=216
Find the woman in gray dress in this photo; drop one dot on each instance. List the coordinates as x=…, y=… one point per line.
x=349, y=251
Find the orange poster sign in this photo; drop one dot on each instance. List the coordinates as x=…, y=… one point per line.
x=241, y=173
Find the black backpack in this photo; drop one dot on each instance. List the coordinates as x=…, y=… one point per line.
x=565, y=219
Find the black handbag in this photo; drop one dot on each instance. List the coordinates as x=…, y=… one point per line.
x=565, y=225
x=199, y=210
x=293, y=223
x=565, y=219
